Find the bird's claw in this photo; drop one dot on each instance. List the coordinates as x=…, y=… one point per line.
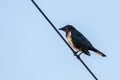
x=75, y=53
x=80, y=53
x=78, y=56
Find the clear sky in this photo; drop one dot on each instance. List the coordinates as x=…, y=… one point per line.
x=30, y=49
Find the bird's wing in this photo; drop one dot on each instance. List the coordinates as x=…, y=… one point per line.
x=79, y=40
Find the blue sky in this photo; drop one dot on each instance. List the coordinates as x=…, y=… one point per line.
x=31, y=50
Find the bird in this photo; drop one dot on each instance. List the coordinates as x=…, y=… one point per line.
x=78, y=41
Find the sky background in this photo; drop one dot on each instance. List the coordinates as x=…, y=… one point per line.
x=30, y=49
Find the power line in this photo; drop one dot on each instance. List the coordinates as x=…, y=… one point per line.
x=78, y=57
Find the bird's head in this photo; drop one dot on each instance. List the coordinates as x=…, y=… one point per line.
x=67, y=28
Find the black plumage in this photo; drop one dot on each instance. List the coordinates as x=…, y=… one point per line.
x=78, y=41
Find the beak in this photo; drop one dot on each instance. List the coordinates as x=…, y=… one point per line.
x=61, y=29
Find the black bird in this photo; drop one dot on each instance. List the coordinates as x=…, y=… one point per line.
x=78, y=41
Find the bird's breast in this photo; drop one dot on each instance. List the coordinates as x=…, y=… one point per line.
x=70, y=41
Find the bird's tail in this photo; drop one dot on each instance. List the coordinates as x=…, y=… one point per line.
x=99, y=52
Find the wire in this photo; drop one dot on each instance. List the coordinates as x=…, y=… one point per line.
x=78, y=57
x=52, y=25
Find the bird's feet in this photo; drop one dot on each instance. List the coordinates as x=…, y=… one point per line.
x=80, y=53
x=75, y=53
